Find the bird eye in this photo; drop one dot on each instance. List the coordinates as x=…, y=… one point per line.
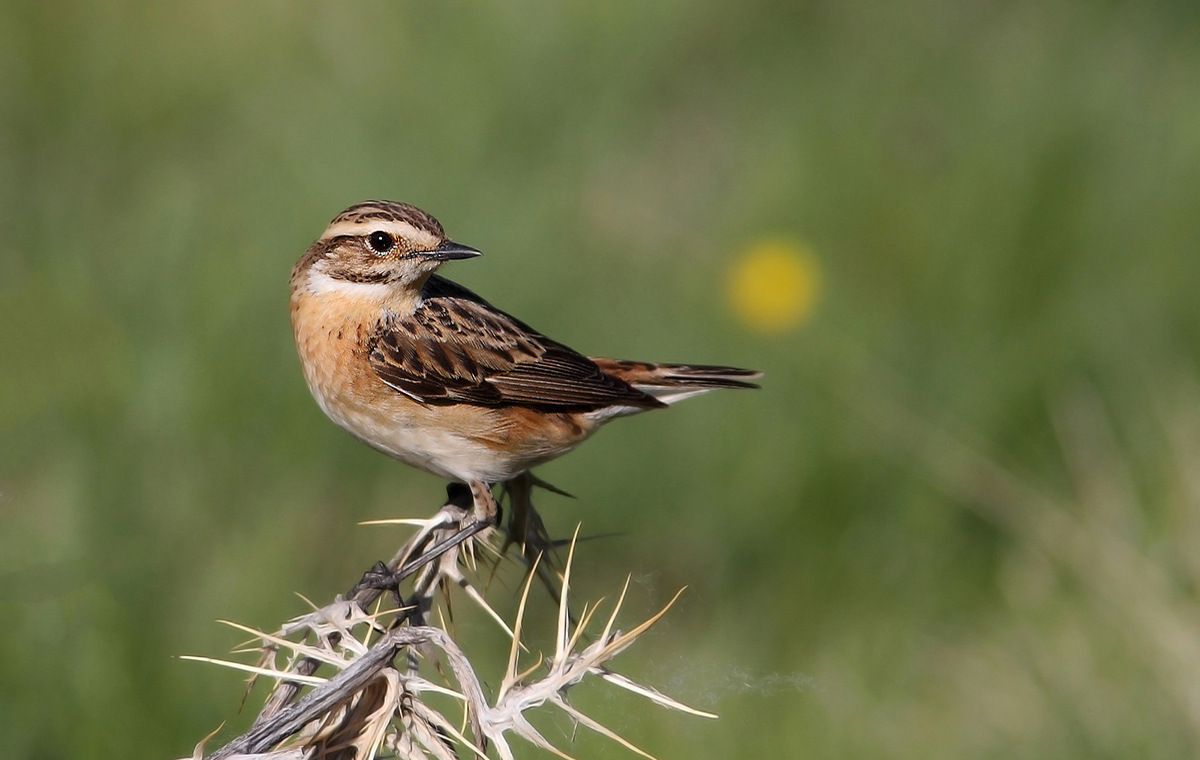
x=380, y=241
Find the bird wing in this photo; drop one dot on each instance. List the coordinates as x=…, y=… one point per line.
x=457, y=348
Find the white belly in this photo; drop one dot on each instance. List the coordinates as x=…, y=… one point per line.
x=428, y=447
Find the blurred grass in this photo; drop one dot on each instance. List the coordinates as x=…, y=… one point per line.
x=1003, y=202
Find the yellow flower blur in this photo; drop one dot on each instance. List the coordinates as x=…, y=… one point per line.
x=774, y=284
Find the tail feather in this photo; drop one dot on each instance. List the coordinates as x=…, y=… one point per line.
x=674, y=382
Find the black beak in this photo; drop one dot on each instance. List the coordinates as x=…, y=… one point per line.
x=448, y=250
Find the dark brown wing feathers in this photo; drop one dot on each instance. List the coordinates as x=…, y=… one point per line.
x=457, y=348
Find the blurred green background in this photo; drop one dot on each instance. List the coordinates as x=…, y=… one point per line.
x=959, y=520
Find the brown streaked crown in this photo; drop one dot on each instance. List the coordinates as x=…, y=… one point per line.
x=389, y=211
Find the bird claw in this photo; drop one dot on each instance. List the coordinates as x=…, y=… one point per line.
x=381, y=578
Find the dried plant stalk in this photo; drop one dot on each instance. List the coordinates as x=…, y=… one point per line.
x=373, y=705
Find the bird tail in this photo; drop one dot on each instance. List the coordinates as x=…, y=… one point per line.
x=674, y=382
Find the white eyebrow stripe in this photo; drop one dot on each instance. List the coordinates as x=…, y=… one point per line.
x=367, y=226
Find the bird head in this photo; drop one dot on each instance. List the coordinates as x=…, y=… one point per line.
x=380, y=243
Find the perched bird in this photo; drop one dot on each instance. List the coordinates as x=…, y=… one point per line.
x=429, y=373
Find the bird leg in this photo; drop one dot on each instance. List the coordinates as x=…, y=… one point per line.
x=420, y=550
x=486, y=509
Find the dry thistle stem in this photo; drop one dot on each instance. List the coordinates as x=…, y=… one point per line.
x=371, y=706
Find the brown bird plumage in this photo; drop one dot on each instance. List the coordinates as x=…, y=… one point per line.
x=430, y=373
